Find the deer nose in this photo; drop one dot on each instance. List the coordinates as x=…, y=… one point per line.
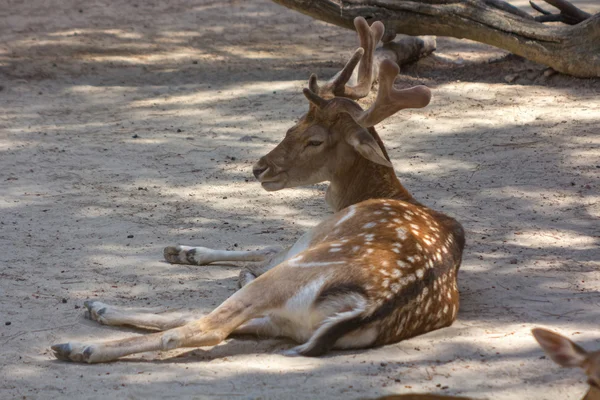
x=258, y=170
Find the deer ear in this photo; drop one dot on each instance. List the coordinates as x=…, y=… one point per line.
x=562, y=351
x=365, y=144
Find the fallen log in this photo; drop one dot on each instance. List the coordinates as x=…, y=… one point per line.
x=572, y=49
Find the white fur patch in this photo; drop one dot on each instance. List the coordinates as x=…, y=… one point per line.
x=349, y=214
x=304, y=298
x=317, y=264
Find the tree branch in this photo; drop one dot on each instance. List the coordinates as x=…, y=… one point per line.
x=573, y=50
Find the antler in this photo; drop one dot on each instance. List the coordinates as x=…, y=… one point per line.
x=337, y=87
x=390, y=100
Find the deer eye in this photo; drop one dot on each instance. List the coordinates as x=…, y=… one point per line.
x=314, y=143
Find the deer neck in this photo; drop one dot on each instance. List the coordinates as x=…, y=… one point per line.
x=361, y=179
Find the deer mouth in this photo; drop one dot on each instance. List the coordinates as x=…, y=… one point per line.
x=273, y=184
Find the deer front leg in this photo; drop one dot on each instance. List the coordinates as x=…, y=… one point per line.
x=203, y=255
x=115, y=316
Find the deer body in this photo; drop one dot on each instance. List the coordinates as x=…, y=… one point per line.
x=381, y=269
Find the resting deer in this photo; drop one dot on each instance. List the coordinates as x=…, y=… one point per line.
x=568, y=354
x=381, y=269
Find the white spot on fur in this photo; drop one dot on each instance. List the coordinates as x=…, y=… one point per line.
x=401, y=233
x=419, y=273
x=402, y=264
x=369, y=225
x=335, y=249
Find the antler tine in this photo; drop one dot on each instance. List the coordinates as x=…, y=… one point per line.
x=312, y=83
x=337, y=85
x=314, y=98
x=369, y=37
x=390, y=100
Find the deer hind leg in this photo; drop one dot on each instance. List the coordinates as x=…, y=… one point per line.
x=203, y=255
x=251, y=302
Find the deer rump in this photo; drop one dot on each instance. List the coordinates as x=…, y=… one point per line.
x=377, y=278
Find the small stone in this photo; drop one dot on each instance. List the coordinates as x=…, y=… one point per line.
x=514, y=261
x=129, y=236
x=178, y=130
x=136, y=136
x=64, y=301
x=7, y=323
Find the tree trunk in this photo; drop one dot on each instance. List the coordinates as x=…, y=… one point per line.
x=570, y=49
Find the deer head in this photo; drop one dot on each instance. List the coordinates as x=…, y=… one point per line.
x=568, y=354
x=336, y=132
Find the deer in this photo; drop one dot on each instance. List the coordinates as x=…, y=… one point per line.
x=381, y=269
x=566, y=353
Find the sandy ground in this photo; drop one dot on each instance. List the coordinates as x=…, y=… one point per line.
x=127, y=127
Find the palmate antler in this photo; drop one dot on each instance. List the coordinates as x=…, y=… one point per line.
x=389, y=100
x=337, y=86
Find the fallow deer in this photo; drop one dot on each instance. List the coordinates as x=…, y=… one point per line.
x=382, y=269
x=568, y=354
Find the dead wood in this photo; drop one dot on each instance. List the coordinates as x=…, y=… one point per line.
x=572, y=49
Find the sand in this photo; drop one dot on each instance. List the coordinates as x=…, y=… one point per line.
x=129, y=127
